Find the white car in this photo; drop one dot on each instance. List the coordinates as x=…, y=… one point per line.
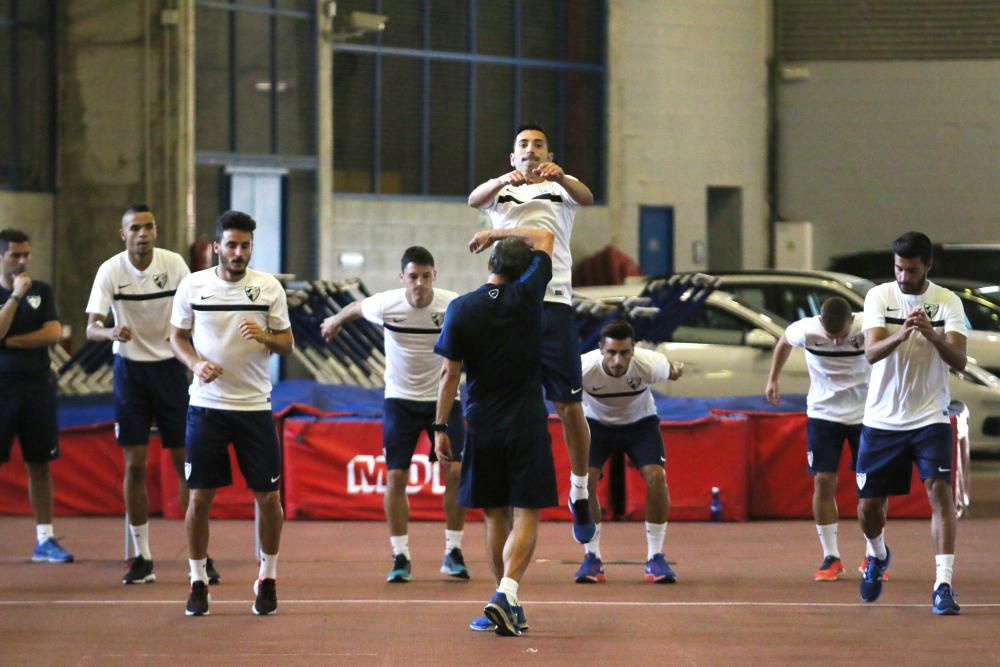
x=726, y=349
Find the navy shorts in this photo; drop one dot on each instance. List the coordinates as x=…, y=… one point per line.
x=885, y=459
x=562, y=374
x=148, y=391
x=504, y=468
x=402, y=423
x=825, y=444
x=28, y=411
x=641, y=440
x=209, y=432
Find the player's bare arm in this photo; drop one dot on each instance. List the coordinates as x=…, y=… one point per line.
x=781, y=353
x=879, y=344
x=550, y=171
x=486, y=191
x=539, y=239
x=97, y=330
x=451, y=375
x=951, y=345
x=205, y=370
x=279, y=341
x=333, y=325
x=22, y=283
x=45, y=336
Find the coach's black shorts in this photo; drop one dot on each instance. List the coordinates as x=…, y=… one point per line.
x=402, y=423
x=209, y=432
x=825, y=443
x=641, y=440
x=28, y=411
x=148, y=391
x=508, y=468
x=886, y=459
x=562, y=373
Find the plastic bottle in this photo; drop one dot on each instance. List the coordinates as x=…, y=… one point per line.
x=715, y=509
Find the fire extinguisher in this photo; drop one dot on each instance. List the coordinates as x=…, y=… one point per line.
x=201, y=254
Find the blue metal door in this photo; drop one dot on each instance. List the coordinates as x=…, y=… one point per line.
x=656, y=240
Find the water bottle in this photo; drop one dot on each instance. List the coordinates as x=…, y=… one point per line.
x=715, y=509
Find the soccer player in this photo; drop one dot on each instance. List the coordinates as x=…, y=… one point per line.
x=539, y=194
x=412, y=318
x=838, y=385
x=507, y=466
x=138, y=286
x=622, y=415
x=914, y=333
x=29, y=325
x=226, y=322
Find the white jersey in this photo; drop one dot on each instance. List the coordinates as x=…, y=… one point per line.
x=626, y=399
x=910, y=388
x=546, y=205
x=838, y=374
x=140, y=300
x=214, y=308
x=411, y=367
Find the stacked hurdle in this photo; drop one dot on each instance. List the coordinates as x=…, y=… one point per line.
x=663, y=305
x=89, y=371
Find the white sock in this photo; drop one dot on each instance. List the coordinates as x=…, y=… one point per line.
x=43, y=531
x=828, y=539
x=400, y=545
x=509, y=588
x=578, y=487
x=140, y=540
x=594, y=546
x=945, y=567
x=876, y=546
x=452, y=540
x=268, y=566
x=655, y=532
x=198, y=571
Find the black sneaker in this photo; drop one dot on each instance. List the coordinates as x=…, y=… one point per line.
x=213, y=574
x=198, y=600
x=140, y=571
x=454, y=564
x=400, y=571
x=267, y=597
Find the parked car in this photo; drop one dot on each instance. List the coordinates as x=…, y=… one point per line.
x=970, y=261
x=726, y=348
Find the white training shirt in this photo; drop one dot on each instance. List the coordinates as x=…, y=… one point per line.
x=910, y=388
x=140, y=300
x=838, y=374
x=214, y=308
x=411, y=367
x=546, y=205
x=626, y=399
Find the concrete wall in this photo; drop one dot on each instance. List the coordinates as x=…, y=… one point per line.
x=870, y=150
x=32, y=212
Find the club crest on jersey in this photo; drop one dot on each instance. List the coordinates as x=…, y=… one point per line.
x=633, y=383
x=494, y=293
x=437, y=319
x=160, y=279
x=858, y=341
x=862, y=478
x=34, y=301
x=931, y=310
x=252, y=292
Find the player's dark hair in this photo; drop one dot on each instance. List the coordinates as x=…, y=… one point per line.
x=618, y=330
x=417, y=255
x=914, y=244
x=234, y=220
x=834, y=314
x=531, y=126
x=510, y=258
x=136, y=208
x=8, y=236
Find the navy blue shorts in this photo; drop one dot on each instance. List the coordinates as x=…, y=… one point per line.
x=148, y=391
x=562, y=374
x=209, y=432
x=28, y=411
x=641, y=440
x=885, y=459
x=402, y=423
x=501, y=469
x=825, y=444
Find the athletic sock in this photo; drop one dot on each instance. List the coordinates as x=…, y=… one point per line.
x=828, y=539
x=509, y=588
x=400, y=545
x=655, y=532
x=198, y=569
x=578, y=487
x=876, y=546
x=268, y=566
x=452, y=540
x=945, y=567
x=140, y=540
x=594, y=546
x=43, y=531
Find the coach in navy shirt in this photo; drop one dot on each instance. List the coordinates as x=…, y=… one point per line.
x=496, y=331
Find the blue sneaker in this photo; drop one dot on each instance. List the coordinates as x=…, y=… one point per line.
x=944, y=601
x=522, y=620
x=454, y=564
x=871, y=583
x=501, y=613
x=658, y=571
x=584, y=527
x=591, y=570
x=400, y=571
x=483, y=624
x=49, y=551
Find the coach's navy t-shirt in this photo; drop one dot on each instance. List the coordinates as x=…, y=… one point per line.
x=36, y=308
x=496, y=331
